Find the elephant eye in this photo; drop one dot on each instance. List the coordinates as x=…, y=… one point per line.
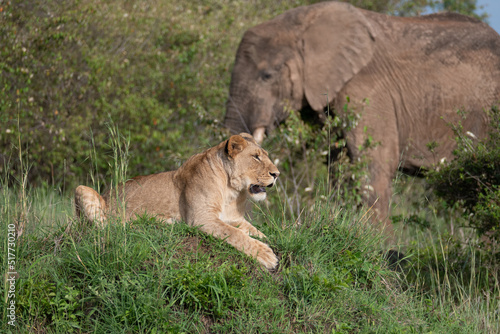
x=265, y=75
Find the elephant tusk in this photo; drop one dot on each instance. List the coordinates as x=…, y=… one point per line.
x=259, y=134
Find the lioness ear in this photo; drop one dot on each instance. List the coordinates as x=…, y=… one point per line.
x=235, y=145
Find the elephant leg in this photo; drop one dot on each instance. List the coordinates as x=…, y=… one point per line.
x=378, y=195
x=374, y=139
x=382, y=167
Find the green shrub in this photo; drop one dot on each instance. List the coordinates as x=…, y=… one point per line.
x=57, y=304
x=472, y=179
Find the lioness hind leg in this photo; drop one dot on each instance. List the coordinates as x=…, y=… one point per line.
x=90, y=204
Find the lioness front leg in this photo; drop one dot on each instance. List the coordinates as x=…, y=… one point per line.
x=247, y=228
x=242, y=242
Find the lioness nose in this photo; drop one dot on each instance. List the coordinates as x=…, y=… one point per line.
x=275, y=174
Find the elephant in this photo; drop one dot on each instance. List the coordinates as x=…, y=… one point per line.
x=405, y=79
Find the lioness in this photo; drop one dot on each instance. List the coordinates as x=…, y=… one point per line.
x=209, y=190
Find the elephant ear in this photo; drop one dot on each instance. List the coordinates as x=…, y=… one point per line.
x=337, y=44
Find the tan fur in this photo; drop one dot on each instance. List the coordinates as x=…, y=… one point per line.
x=209, y=190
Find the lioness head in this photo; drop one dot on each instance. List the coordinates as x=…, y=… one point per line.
x=249, y=166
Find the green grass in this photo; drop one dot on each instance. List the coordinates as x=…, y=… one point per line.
x=149, y=277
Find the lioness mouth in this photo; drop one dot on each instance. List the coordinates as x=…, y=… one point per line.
x=256, y=189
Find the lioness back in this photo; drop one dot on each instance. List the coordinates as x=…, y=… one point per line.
x=153, y=194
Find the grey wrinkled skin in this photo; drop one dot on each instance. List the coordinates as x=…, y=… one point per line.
x=415, y=73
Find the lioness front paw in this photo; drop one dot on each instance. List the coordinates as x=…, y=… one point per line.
x=266, y=256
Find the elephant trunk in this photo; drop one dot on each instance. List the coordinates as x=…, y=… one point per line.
x=236, y=118
x=249, y=115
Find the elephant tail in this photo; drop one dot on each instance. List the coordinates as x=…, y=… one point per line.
x=90, y=205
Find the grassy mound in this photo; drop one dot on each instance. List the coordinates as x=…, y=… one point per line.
x=151, y=277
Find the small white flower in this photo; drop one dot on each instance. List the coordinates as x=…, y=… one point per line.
x=8, y=131
x=308, y=189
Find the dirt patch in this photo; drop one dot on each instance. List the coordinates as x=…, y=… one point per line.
x=207, y=323
x=194, y=245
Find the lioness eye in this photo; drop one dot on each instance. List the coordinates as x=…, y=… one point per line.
x=256, y=156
